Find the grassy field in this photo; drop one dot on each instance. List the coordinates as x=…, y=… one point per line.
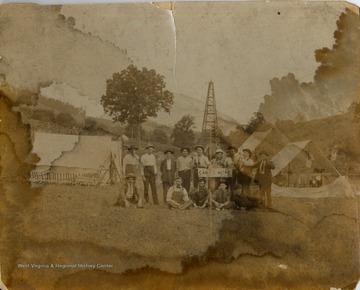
x=316, y=240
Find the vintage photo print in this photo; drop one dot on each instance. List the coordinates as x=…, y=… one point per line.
x=187, y=145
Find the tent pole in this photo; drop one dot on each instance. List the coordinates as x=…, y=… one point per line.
x=332, y=165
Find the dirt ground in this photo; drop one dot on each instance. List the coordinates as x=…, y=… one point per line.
x=304, y=244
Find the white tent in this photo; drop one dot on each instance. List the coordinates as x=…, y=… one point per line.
x=301, y=161
x=271, y=140
x=76, y=159
x=340, y=187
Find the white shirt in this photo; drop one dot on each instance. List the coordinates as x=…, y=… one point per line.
x=168, y=164
x=201, y=161
x=131, y=160
x=149, y=160
x=184, y=163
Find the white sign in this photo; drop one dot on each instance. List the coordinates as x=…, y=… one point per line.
x=215, y=172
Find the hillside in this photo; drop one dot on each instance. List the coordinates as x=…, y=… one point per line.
x=187, y=105
x=336, y=131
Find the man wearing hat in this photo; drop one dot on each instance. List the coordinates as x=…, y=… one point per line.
x=131, y=162
x=184, y=164
x=149, y=172
x=246, y=165
x=218, y=162
x=221, y=198
x=264, y=177
x=200, y=195
x=129, y=195
x=168, y=170
x=200, y=161
x=177, y=196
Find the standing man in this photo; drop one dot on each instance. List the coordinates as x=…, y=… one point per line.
x=131, y=162
x=264, y=177
x=200, y=161
x=246, y=165
x=149, y=172
x=168, y=170
x=234, y=158
x=184, y=164
x=218, y=162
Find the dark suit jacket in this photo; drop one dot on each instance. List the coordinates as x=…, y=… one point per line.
x=264, y=177
x=168, y=175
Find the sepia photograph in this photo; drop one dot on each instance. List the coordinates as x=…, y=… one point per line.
x=180, y=145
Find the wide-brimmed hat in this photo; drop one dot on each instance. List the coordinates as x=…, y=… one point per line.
x=199, y=146
x=248, y=151
x=169, y=150
x=185, y=148
x=177, y=177
x=149, y=145
x=264, y=152
x=130, y=175
x=132, y=146
x=219, y=151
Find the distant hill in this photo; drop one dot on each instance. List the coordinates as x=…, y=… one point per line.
x=184, y=105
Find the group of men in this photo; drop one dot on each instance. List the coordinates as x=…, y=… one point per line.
x=177, y=174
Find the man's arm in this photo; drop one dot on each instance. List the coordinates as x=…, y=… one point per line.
x=155, y=168
x=185, y=194
x=207, y=201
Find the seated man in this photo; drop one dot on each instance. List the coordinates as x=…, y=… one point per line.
x=242, y=200
x=129, y=196
x=177, y=196
x=200, y=195
x=221, y=198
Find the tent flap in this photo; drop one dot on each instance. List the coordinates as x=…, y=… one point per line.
x=340, y=187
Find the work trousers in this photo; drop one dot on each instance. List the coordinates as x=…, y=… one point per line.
x=265, y=193
x=185, y=176
x=150, y=180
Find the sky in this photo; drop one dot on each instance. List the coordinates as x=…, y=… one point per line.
x=239, y=46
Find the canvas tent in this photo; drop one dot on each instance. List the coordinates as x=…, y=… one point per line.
x=302, y=170
x=272, y=141
x=76, y=159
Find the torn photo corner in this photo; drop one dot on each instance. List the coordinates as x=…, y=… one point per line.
x=187, y=145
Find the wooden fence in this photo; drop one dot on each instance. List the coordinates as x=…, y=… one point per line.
x=52, y=177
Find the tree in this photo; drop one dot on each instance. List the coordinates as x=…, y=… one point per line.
x=254, y=123
x=133, y=95
x=183, y=133
x=159, y=135
x=131, y=130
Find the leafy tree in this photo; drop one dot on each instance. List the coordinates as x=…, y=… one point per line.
x=133, y=95
x=183, y=133
x=160, y=136
x=254, y=123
